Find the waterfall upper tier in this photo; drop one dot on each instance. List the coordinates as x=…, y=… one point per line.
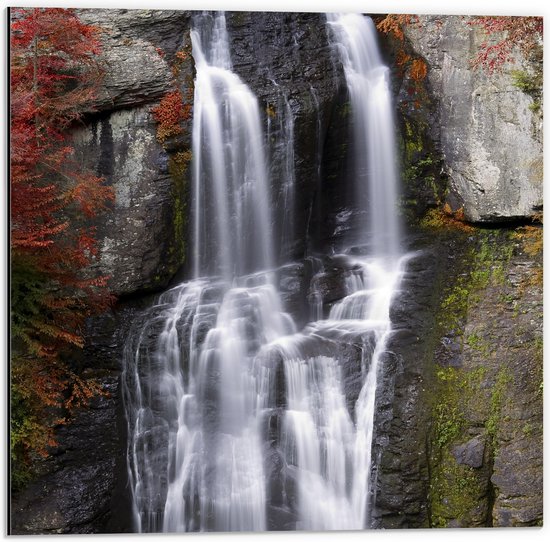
x=375, y=174
x=232, y=200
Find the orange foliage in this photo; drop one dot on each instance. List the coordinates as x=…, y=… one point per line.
x=446, y=218
x=182, y=55
x=169, y=113
x=531, y=238
x=393, y=25
x=418, y=69
x=402, y=58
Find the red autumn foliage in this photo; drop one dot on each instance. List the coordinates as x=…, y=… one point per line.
x=53, y=77
x=169, y=113
x=524, y=33
x=504, y=34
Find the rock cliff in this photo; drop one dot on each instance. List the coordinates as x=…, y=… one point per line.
x=142, y=241
x=488, y=129
x=463, y=445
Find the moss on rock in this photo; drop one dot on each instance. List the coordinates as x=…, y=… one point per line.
x=482, y=399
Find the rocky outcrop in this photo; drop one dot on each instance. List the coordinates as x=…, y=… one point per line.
x=489, y=131
x=140, y=248
x=141, y=239
x=506, y=326
x=462, y=446
x=137, y=47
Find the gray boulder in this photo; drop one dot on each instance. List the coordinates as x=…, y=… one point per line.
x=471, y=453
x=489, y=132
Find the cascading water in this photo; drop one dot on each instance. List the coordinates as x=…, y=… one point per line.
x=235, y=420
x=283, y=149
x=194, y=438
x=375, y=170
x=232, y=201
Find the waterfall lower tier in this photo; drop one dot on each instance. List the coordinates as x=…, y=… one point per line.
x=233, y=415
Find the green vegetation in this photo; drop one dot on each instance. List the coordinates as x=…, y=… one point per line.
x=476, y=342
x=345, y=110
x=454, y=488
x=448, y=422
x=486, y=263
x=466, y=391
x=421, y=167
x=502, y=380
x=530, y=84
x=525, y=82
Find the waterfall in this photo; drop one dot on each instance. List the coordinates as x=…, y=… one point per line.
x=282, y=156
x=375, y=170
x=232, y=219
x=236, y=421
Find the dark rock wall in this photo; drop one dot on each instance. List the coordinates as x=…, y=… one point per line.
x=74, y=494
x=287, y=61
x=463, y=444
x=403, y=411
x=81, y=487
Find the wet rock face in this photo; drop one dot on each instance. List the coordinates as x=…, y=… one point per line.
x=403, y=412
x=514, y=327
x=75, y=495
x=462, y=445
x=490, y=139
x=287, y=61
x=82, y=487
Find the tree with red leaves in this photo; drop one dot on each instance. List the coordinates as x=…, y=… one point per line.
x=523, y=33
x=54, y=76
